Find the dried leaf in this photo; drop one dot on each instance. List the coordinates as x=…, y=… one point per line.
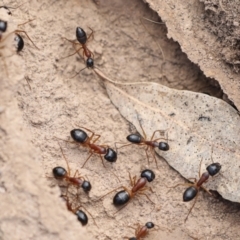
x=199, y=127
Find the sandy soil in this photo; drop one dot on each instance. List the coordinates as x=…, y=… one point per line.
x=56, y=103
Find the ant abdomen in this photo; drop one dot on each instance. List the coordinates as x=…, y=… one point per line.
x=121, y=198
x=82, y=217
x=148, y=174
x=81, y=35
x=59, y=172
x=90, y=63
x=134, y=138
x=86, y=186
x=19, y=42
x=111, y=155
x=149, y=225
x=190, y=193
x=163, y=146
x=213, y=169
x=79, y=135
x=3, y=26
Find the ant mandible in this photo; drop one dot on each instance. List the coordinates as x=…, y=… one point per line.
x=136, y=138
x=192, y=191
x=61, y=173
x=82, y=40
x=142, y=231
x=80, y=137
x=138, y=187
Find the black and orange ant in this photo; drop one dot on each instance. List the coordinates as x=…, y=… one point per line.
x=81, y=215
x=81, y=138
x=123, y=197
x=136, y=138
x=82, y=40
x=77, y=180
x=192, y=191
x=141, y=231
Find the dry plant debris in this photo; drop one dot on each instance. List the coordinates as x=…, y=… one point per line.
x=198, y=126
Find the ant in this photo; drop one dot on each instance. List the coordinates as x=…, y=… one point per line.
x=141, y=231
x=192, y=191
x=136, y=138
x=122, y=197
x=82, y=40
x=80, y=137
x=61, y=173
x=81, y=215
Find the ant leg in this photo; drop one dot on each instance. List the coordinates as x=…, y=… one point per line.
x=146, y=197
x=125, y=145
x=91, y=34
x=199, y=171
x=191, y=207
x=65, y=159
x=21, y=31
x=102, y=160
x=26, y=21
x=205, y=189
x=181, y=184
x=144, y=134
x=132, y=179
x=72, y=53
x=154, y=156
x=91, y=153
x=110, y=192
x=71, y=41
x=66, y=140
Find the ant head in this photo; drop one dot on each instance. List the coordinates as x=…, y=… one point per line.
x=111, y=155
x=19, y=42
x=149, y=225
x=59, y=172
x=81, y=35
x=86, y=185
x=82, y=217
x=189, y=194
x=133, y=238
x=3, y=26
x=121, y=198
x=90, y=63
x=148, y=174
x=163, y=146
x=79, y=135
x=213, y=168
x=134, y=138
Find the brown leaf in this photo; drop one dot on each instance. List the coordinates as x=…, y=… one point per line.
x=199, y=127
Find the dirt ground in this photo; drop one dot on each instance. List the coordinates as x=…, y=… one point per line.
x=127, y=48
